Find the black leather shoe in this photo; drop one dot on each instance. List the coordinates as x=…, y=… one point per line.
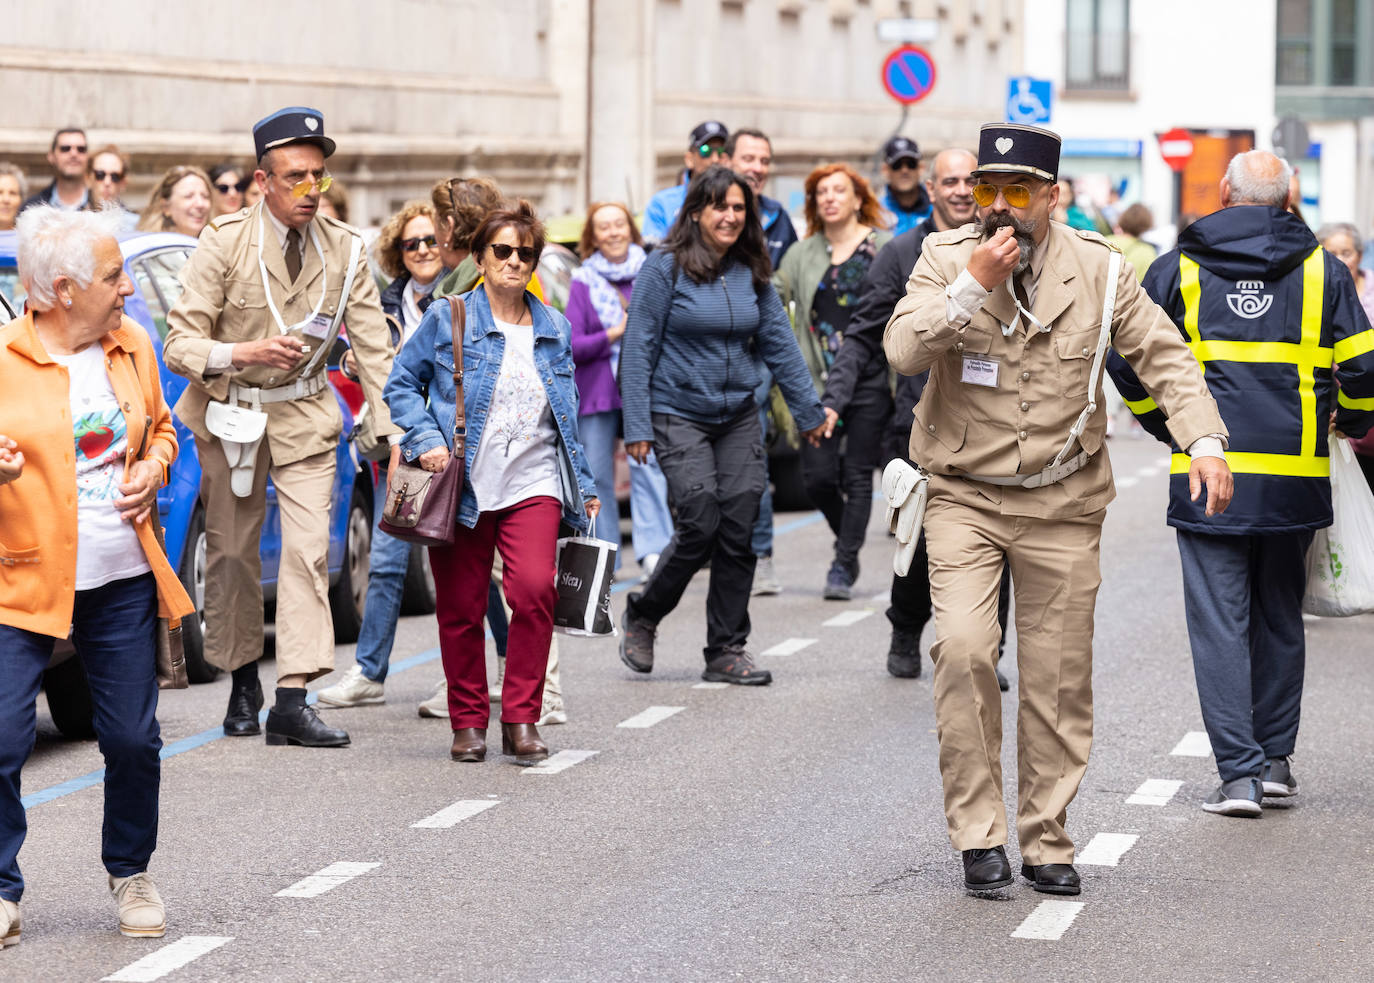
x=241, y=719
x=303, y=727
x=986, y=870
x=1052, y=878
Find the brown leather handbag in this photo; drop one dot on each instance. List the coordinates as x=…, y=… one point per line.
x=422, y=506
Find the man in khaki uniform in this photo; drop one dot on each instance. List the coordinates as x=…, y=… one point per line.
x=1006, y=313
x=264, y=295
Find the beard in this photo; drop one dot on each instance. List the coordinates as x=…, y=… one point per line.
x=1022, y=232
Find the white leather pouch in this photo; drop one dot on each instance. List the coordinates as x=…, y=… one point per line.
x=240, y=431
x=904, y=488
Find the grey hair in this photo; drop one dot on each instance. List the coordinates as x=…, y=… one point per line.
x=53, y=243
x=1252, y=183
x=13, y=171
x=1341, y=229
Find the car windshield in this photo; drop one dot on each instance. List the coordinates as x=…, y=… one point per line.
x=156, y=276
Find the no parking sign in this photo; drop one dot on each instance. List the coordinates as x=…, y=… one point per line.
x=909, y=74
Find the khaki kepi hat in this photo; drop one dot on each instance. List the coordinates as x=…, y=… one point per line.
x=1009, y=148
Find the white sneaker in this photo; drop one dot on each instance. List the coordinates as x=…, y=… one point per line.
x=494, y=685
x=436, y=705
x=765, y=578
x=9, y=923
x=354, y=690
x=648, y=564
x=141, y=912
x=553, y=711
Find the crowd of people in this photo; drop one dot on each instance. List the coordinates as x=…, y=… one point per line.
x=961, y=320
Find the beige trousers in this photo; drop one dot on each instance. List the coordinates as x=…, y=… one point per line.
x=553, y=689
x=1054, y=571
x=233, y=568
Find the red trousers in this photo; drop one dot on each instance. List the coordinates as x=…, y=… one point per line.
x=527, y=536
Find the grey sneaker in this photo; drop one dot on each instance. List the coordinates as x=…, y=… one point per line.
x=637, y=640
x=1277, y=778
x=354, y=690
x=735, y=665
x=553, y=711
x=839, y=583
x=1238, y=797
x=766, y=582
x=436, y=705
x=904, y=655
x=494, y=686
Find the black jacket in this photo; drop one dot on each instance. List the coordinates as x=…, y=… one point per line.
x=861, y=361
x=1266, y=311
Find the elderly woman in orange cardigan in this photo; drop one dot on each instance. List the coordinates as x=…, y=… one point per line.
x=85, y=442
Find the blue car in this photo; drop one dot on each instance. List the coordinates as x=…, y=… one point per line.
x=154, y=261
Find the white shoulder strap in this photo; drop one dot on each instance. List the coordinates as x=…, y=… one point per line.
x=1104, y=338
x=354, y=252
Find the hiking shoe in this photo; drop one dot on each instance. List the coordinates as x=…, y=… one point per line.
x=637, y=639
x=436, y=705
x=735, y=665
x=354, y=690
x=765, y=578
x=1238, y=797
x=141, y=912
x=904, y=655
x=839, y=583
x=1277, y=779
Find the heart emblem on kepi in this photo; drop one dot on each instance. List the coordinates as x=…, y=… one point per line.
x=312, y=124
x=1003, y=145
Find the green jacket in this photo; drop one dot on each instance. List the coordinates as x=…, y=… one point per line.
x=796, y=280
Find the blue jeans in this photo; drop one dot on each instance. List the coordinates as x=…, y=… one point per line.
x=115, y=635
x=1243, y=599
x=599, y=432
x=390, y=559
x=761, y=540
x=651, y=523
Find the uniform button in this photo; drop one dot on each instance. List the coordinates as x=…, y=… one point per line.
x=959, y=347
x=930, y=427
x=1085, y=351
x=271, y=379
x=1022, y=435
x=1024, y=407
x=240, y=301
x=1025, y=376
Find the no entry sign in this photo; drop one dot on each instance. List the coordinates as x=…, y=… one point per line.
x=1176, y=147
x=909, y=74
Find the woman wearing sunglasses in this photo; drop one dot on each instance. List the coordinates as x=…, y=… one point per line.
x=107, y=174
x=228, y=182
x=526, y=472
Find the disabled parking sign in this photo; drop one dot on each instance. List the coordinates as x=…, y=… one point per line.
x=1028, y=100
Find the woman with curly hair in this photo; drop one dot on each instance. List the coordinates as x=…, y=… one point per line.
x=819, y=281
x=179, y=203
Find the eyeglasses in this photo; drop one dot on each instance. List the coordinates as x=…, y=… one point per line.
x=706, y=151
x=66, y=148
x=115, y=176
x=241, y=187
x=1016, y=195
x=502, y=252
x=413, y=245
x=905, y=164
x=302, y=188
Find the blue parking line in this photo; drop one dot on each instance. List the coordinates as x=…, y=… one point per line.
x=215, y=733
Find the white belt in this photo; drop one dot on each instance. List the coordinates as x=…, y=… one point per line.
x=299, y=389
x=1050, y=475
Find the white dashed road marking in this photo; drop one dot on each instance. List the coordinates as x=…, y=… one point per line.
x=1194, y=745
x=326, y=880
x=455, y=814
x=710, y=685
x=1155, y=792
x=1049, y=921
x=1127, y=482
x=846, y=618
x=561, y=761
x=649, y=717
x=1105, y=849
x=789, y=647
x=882, y=597
x=158, y=964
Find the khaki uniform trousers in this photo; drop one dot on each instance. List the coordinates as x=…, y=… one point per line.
x=553, y=687
x=1054, y=570
x=233, y=567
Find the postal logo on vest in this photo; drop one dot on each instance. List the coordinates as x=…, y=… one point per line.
x=1250, y=303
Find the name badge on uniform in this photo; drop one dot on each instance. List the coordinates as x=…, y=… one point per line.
x=318, y=326
x=980, y=371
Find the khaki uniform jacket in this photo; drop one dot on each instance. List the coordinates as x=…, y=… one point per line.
x=224, y=300
x=1042, y=378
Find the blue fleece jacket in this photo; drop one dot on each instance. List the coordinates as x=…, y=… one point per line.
x=688, y=349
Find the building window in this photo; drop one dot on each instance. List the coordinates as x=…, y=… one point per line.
x=1295, y=42
x=1343, y=43
x=1098, y=45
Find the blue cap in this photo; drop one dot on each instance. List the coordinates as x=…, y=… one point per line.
x=294, y=124
x=1010, y=148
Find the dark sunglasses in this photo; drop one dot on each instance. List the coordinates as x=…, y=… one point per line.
x=66, y=148
x=241, y=187
x=502, y=252
x=115, y=176
x=905, y=164
x=413, y=245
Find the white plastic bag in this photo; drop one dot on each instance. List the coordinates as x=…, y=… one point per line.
x=1340, y=564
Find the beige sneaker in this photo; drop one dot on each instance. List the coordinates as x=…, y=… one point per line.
x=9, y=923
x=437, y=705
x=553, y=711
x=354, y=690
x=494, y=685
x=141, y=912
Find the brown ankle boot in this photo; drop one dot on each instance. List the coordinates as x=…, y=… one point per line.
x=523, y=741
x=469, y=744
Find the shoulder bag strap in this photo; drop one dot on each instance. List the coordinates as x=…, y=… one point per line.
x=327, y=343
x=458, y=322
x=1104, y=338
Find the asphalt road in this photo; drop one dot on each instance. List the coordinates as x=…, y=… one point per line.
x=792, y=832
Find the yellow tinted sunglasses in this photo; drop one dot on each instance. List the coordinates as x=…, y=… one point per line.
x=1016, y=195
x=302, y=188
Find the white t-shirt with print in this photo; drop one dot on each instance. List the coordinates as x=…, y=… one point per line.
x=107, y=547
x=517, y=458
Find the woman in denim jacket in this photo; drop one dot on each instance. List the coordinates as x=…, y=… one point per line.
x=526, y=472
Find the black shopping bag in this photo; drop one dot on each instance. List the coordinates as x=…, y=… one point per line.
x=586, y=568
